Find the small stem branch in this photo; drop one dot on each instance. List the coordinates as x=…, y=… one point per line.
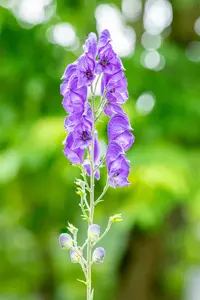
x=103, y=193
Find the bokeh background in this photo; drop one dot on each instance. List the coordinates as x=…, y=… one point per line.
x=155, y=252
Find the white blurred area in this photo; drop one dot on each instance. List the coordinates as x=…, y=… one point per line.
x=153, y=60
x=131, y=9
x=158, y=15
x=31, y=12
x=197, y=26
x=63, y=34
x=123, y=37
x=192, y=285
x=145, y=103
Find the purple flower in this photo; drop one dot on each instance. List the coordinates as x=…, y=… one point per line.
x=90, y=46
x=98, y=255
x=74, y=155
x=116, y=92
x=85, y=70
x=118, y=130
x=86, y=163
x=74, y=119
x=116, y=87
x=117, y=165
x=82, y=135
x=108, y=61
x=74, y=97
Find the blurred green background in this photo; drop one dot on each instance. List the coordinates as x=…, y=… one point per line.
x=154, y=253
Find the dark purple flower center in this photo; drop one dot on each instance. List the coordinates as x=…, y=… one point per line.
x=85, y=136
x=88, y=74
x=104, y=62
x=116, y=174
x=112, y=90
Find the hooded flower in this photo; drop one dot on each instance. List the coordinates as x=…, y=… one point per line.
x=74, y=155
x=85, y=70
x=69, y=71
x=96, y=159
x=118, y=130
x=116, y=92
x=84, y=117
x=74, y=97
x=108, y=61
x=117, y=165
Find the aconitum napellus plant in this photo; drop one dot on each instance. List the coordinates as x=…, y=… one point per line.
x=98, y=64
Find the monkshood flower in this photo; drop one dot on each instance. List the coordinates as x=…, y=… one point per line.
x=66, y=241
x=116, y=92
x=86, y=163
x=94, y=232
x=98, y=255
x=74, y=155
x=74, y=97
x=108, y=61
x=119, y=130
x=98, y=63
x=117, y=165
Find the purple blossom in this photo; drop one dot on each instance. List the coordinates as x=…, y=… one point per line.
x=74, y=155
x=108, y=61
x=117, y=165
x=116, y=92
x=85, y=70
x=118, y=130
x=84, y=117
x=74, y=97
x=69, y=71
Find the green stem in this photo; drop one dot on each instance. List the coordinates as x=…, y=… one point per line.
x=91, y=215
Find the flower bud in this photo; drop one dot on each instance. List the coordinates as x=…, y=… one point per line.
x=74, y=255
x=116, y=218
x=98, y=255
x=94, y=232
x=66, y=241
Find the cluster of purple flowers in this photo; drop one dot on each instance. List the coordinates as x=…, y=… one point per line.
x=80, y=121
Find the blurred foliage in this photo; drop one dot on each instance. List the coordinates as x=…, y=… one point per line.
x=37, y=182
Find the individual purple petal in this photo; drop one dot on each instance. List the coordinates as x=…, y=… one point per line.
x=112, y=109
x=90, y=46
x=69, y=71
x=96, y=149
x=125, y=139
x=85, y=70
x=104, y=39
x=117, y=125
x=74, y=155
